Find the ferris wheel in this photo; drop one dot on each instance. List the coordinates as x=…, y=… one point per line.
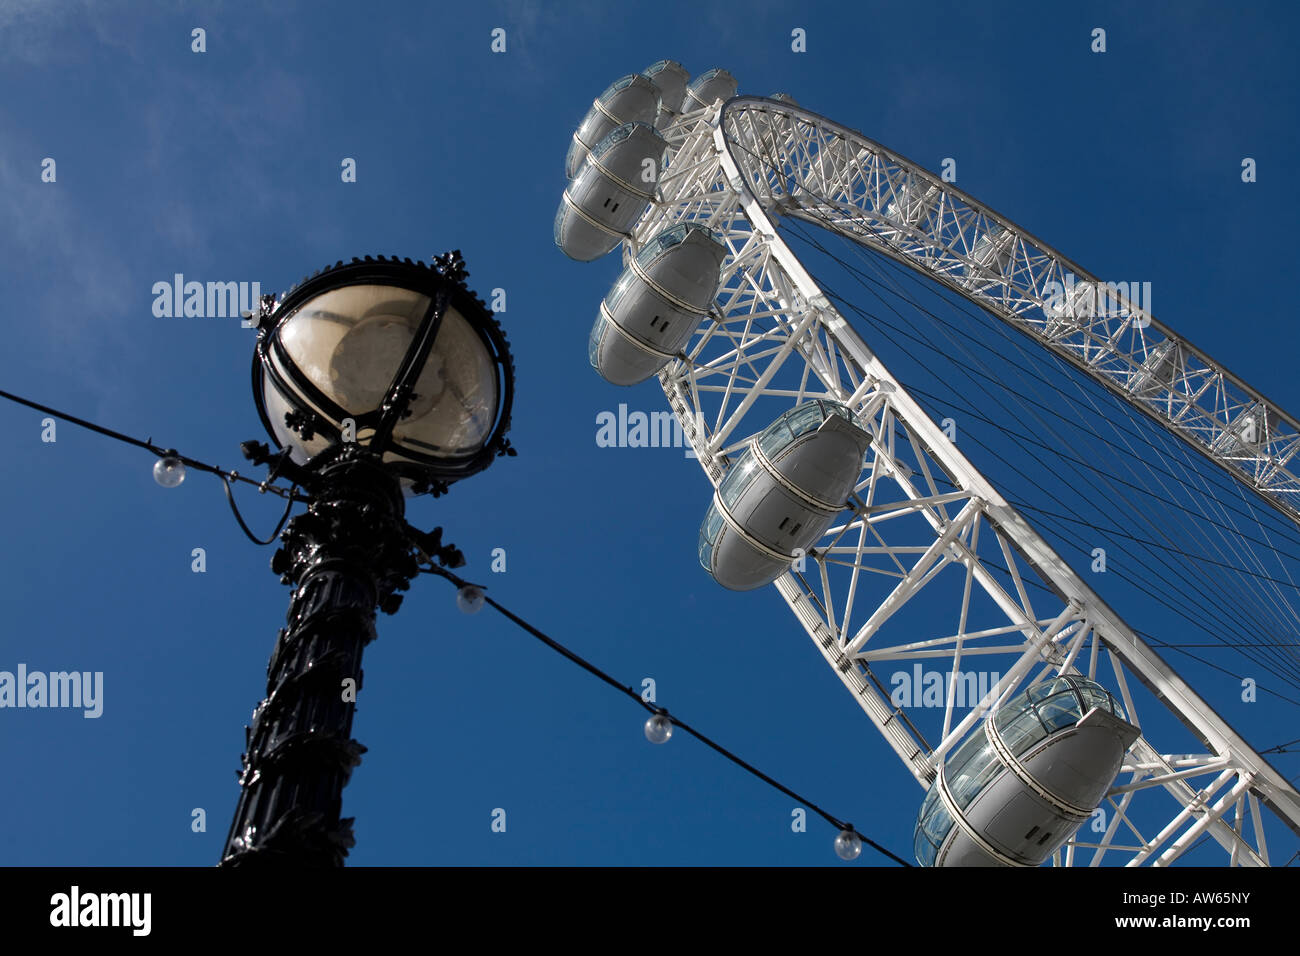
x=833, y=484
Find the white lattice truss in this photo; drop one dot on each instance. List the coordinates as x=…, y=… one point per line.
x=920, y=507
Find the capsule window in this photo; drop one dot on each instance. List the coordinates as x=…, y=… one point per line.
x=738, y=479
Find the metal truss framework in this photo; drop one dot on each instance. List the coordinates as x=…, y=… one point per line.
x=921, y=513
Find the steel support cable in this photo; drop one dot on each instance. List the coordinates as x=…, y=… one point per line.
x=979, y=416
x=1280, y=604
x=975, y=413
x=1151, y=639
x=813, y=158
x=1233, y=542
x=1257, y=597
x=1152, y=594
x=1258, y=610
x=1156, y=643
x=1006, y=333
x=1284, y=528
x=677, y=721
x=1279, y=600
x=1145, y=590
x=1209, y=611
x=1015, y=338
x=1295, y=613
x=1075, y=460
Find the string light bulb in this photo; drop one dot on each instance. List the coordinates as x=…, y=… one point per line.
x=848, y=845
x=658, y=728
x=168, y=471
x=470, y=599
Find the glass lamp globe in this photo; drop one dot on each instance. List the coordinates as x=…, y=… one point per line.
x=335, y=347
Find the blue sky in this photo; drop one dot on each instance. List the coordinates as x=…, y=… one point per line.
x=225, y=166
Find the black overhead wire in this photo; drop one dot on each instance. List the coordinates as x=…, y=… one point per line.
x=676, y=721
x=289, y=494
x=1282, y=661
x=288, y=506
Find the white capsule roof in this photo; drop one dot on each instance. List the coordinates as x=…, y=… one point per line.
x=1068, y=735
x=782, y=494
x=656, y=304
x=707, y=88
x=608, y=195
x=631, y=99
x=670, y=77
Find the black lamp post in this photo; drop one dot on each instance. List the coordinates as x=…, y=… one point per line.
x=376, y=379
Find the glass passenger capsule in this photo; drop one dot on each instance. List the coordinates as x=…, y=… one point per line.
x=608, y=195
x=708, y=87
x=1071, y=307
x=991, y=253
x=1159, y=368
x=782, y=494
x=656, y=304
x=631, y=99
x=1020, y=786
x=914, y=202
x=670, y=77
x=1252, y=428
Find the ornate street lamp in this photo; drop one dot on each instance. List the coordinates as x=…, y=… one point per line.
x=377, y=379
